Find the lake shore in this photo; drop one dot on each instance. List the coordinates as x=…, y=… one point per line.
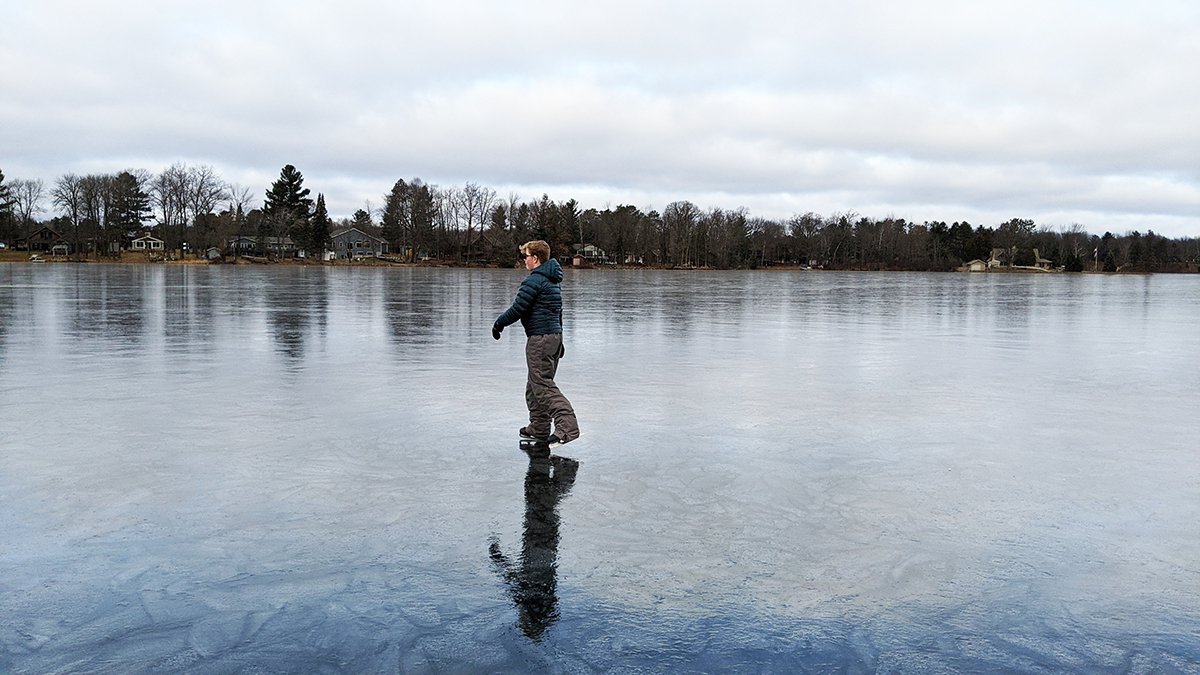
x=136, y=258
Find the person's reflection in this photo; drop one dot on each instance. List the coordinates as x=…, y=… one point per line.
x=532, y=581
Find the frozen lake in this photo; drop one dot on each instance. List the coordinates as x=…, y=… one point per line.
x=299, y=470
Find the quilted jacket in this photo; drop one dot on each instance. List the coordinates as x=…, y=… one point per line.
x=539, y=301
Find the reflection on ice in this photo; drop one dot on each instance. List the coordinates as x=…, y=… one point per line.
x=532, y=578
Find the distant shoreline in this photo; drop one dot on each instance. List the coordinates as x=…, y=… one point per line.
x=140, y=259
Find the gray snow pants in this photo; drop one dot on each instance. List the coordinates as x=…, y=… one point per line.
x=542, y=396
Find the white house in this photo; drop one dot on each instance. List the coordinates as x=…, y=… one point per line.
x=592, y=254
x=146, y=242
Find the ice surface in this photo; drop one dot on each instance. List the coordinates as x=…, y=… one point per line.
x=274, y=470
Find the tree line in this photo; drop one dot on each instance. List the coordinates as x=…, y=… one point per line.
x=193, y=205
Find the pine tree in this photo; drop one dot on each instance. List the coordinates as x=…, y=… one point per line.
x=362, y=220
x=263, y=232
x=5, y=199
x=288, y=194
x=397, y=222
x=287, y=207
x=420, y=212
x=6, y=211
x=318, y=232
x=130, y=204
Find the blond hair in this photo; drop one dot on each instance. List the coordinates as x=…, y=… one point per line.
x=537, y=248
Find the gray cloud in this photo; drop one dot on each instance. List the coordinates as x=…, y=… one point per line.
x=935, y=109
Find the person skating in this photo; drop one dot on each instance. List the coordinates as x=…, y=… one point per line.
x=538, y=306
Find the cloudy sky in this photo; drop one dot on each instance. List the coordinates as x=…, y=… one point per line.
x=1060, y=111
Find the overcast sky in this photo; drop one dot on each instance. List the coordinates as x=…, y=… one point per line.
x=1062, y=112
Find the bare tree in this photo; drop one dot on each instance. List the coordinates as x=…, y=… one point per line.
x=68, y=195
x=834, y=238
x=444, y=219
x=205, y=191
x=473, y=206
x=171, y=191
x=1075, y=239
x=239, y=198
x=95, y=199
x=241, y=201
x=678, y=225
x=27, y=197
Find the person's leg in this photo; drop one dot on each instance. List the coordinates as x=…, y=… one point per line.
x=549, y=397
x=535, y=400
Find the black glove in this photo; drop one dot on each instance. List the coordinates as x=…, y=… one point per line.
x=496, y=329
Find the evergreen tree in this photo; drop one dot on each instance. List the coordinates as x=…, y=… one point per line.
x=939, y=239
x=1024, y=257
x=1136, y=254
x=318, y=232
x=549, y=224
x=959, y=239
x=421, y=209
x=287, y=207
x=979, y=246
x=6, y=211
x=129, y=203
x=362, y=220
x=397, y=223
x=263, y=231
x=1014, y=234
x=570, y=232
x=408, y=218
x=288, y=194
x=5, y=199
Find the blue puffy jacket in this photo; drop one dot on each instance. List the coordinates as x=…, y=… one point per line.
x=539, y=301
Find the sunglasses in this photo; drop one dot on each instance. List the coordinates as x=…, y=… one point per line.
x=525, y=255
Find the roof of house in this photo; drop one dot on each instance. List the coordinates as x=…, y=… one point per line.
x=346, y=230
x=484, y=237
x=270, y=240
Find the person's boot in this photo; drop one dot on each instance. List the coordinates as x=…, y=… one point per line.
x=526, y=435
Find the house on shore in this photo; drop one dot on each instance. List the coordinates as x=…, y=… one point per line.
x=242, y=245
x=591, y=254
x=1002, y=256
x=147, y=242
x=44, y=240
x=280, y=247
x=485, y=249
x=351, y=243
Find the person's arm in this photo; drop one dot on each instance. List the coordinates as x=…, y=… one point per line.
x=526, y=295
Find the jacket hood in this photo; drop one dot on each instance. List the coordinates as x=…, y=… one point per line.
x=551, y=270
